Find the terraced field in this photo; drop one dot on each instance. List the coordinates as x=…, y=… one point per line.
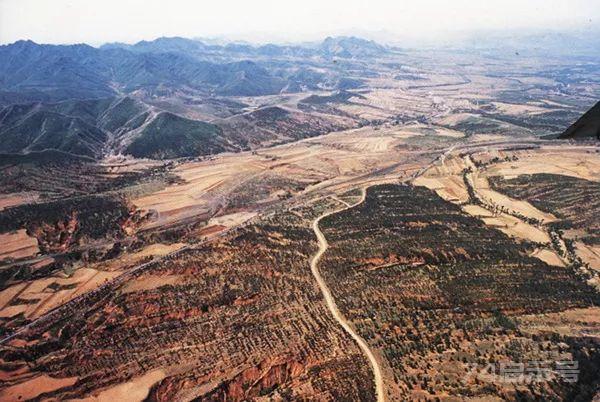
x=575, y=201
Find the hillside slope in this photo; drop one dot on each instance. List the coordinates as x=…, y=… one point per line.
x=98, y=127
x=39, y=130
x=275, y=125
x=171, y=136
x=588, y=125
x=81, y=127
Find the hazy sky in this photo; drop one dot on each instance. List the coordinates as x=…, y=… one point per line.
x=98, y=21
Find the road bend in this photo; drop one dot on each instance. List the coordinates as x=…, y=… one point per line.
x=323, y=245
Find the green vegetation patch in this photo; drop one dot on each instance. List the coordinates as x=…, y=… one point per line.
x=434, y=290
x=62, y=223
x=172, y=136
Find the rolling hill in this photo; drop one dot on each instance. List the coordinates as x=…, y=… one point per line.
x=99, y=127
x=171, y=136
x=38, y=130
x=78, y=127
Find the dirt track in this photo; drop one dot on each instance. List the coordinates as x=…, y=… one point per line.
x=323, y=245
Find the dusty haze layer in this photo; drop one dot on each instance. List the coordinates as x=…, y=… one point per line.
x=65, y=21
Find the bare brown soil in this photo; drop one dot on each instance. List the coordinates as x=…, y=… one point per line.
x=30, y=389
x=17, y=244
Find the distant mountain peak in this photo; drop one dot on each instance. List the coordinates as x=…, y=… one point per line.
x=350, y=47
x=21, y=44
x=24, y=42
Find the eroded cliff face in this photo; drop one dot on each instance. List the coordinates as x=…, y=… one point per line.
x=61, y=234
x=57, y=236
x=60, y=226
x=274, y=376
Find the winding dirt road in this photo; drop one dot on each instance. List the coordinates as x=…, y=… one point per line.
x=323, y=245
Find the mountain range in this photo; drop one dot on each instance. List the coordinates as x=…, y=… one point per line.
x=34, y=72
x=121, y=98
x=177, y=97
